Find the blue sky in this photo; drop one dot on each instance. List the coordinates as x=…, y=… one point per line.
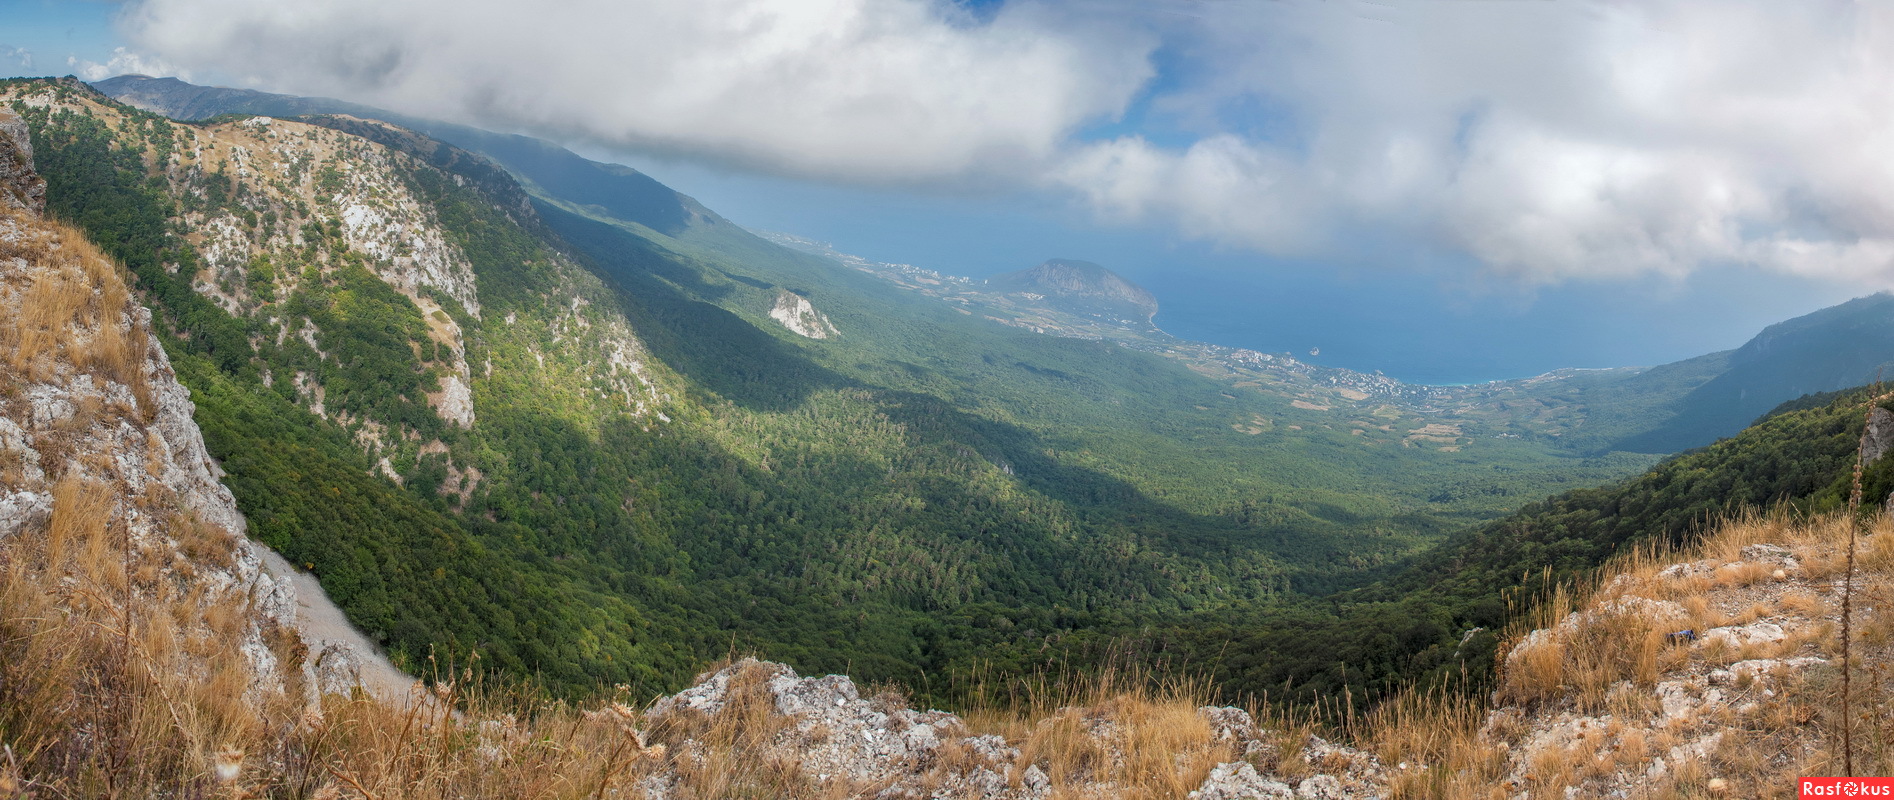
x=39, y=35
x=1445, y=192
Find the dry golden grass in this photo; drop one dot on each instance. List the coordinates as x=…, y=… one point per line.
x=1140, y=733
x=1616, y=641
x=106, y=693
x=1428, y=731
x=92, y=698
x=467, y=741
x=76, y=310
x=1791, y=729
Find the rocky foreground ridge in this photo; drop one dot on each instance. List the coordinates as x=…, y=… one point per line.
x=123, y=559
x=1715, y=675
x=96, y=432
x=821, y=732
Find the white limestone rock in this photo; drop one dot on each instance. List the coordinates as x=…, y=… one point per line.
x=1238, y=780
x=796, y=313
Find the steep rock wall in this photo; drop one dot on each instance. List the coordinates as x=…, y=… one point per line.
x=20, y=186
x=97, y=439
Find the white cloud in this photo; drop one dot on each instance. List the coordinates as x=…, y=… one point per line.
x=1220, y=188
x=123, y=62
x=19, y=56
x=1550, y=141
x=871, y=90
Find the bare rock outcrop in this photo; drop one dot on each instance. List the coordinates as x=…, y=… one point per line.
x=796, y=313
x=20, y=186
x=1879, y=437
x=1239, y=781
x=1691, y=675
x=837, y=737
x=94, y=424
x=832, y=737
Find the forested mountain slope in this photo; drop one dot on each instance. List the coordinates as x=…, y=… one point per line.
x=318, y=294
x=1440, y=619
x=598, y=441
x=587, y=450
x=1659, y=410
x=1842, y=346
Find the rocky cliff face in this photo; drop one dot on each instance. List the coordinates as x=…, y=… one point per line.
x=96, y=432
x=284, y=218
x=20, y=186
x=796, y=313
x=99, y=453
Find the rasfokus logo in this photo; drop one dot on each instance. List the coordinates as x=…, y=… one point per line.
x=1846, y=787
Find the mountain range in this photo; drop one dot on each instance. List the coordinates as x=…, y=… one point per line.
x=1827, y=350
x=503, y=399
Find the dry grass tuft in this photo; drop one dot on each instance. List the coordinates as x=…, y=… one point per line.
x=1142, y=734
x=76, y=313
x=730, y=753
x=1428, y=730
x=93, y=699
x=468, y=740
x=1584, y=651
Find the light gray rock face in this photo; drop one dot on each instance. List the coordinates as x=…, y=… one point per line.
x=839, y=737
x=878, y=748
x=340, y=658
x=188, y=470
x=20, y=186
x=1234, y=725
x=64, y=425
x=796, y=313
x=22, y=510
x=1239, y=781
x=142, y=448
x=1879, y=438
